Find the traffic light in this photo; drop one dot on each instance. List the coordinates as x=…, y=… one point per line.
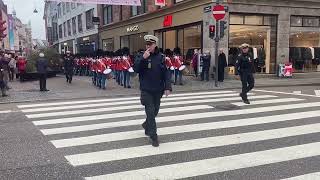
x=212, y=31
x=2, y=29
x=223, y=27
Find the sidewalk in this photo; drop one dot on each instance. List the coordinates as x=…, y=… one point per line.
x=82, y=87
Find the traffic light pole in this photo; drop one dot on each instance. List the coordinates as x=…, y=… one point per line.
x=217, y=39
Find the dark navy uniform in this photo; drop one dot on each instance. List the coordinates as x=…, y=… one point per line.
x=154, y=80
x=245, y=68
x=68, y=68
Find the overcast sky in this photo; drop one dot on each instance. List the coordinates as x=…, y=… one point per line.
x=24, y=9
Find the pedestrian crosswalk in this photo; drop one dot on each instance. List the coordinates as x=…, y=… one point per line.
x=103, y=138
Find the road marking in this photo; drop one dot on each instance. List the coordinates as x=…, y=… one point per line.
x=278, y=92
x=174, y=118
x=189, y=145
x=61, y=143
x=271, y=101
x=317, y=92
x=6, y=111
x=114, y=99
x=311, y=176
x=297, y=92
x=215, y=165
x=125, y=103
x=108, y=109
x=122, y=115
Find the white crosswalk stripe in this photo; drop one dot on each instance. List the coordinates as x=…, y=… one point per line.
x=106, y=134
x=312, y=176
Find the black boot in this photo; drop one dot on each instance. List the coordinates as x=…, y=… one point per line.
x=144, y=126
x=155, y=141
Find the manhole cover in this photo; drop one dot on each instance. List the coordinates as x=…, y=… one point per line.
x=227, y=107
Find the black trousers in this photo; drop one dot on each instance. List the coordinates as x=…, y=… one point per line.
x=11, y=74
x=205, y=75
x=151, y=102
x=247, y=80
x=69, y=75
x=43, y=81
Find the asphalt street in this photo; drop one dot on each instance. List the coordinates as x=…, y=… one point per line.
x=209, y=135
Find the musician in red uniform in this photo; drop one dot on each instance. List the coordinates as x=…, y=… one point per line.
x=178, y=63
x=169, y=62
x=127, y=67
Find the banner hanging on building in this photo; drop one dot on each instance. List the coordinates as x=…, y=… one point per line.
x=11, y=32
x=160, y=2
x=111, y=2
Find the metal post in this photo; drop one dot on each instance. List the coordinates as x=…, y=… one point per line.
x=217, y=39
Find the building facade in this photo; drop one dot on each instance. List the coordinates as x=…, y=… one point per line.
x=278, y=31
x=69, y=27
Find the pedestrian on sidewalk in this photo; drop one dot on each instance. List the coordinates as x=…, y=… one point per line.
x=206, y=59
x=195, y=62
x=12, y=66
x=2, y=81
x=6, y=70
x=42, y=65
x=155, y=81
x=222, y=64
x=22, y=64
x=245, y=68
x=68, y=66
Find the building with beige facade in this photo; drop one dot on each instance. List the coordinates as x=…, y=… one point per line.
x=279, y=31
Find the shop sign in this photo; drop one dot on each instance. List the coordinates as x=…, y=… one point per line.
x=160, y=2
x=109, y=2
x=86, y=39
x=133, y=28
x=167, y=22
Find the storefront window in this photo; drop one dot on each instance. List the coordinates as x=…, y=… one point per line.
x=191, y=40
x=305, y=51
x=108, y=44
x=261, y=33
x=305, y=21
x=253, y=20
x=134, y=42
x=170, y=39
x=236, y=19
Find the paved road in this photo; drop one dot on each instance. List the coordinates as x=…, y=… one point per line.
x=203, y=135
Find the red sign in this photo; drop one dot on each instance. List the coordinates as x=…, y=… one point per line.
x=167, y=22
x=160, y=2
x=218, y=12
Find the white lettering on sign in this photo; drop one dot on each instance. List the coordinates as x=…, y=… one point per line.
x=133, y=28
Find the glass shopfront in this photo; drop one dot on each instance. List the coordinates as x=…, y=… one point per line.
x=305, y=44
x=260, y=31
x=134, y=42
x=187, y=38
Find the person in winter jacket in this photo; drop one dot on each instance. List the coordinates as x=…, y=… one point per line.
x=22, y=64
x=42, y=66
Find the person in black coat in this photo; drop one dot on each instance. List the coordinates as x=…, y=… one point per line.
x=206, y=60
x=245, y=68
x=155, y=81
x=68, y=66
x=222, y=64
x=42, y=66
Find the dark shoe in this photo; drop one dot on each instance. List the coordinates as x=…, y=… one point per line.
x=155, y=141
x=144, y=126
x=46, y=90
x=129, y=87
x=246, y=101
x=4, y=95
x=181, y=84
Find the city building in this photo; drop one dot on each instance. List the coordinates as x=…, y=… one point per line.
x=70, y=26
x=278, y=31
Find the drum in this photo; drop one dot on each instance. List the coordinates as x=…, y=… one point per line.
x=182, y=67
x=107, y=71
x=131, y=70
x=172, y=68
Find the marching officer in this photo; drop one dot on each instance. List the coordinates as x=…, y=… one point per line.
x=68, y=66
x=245, y=68
x=155, y=81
